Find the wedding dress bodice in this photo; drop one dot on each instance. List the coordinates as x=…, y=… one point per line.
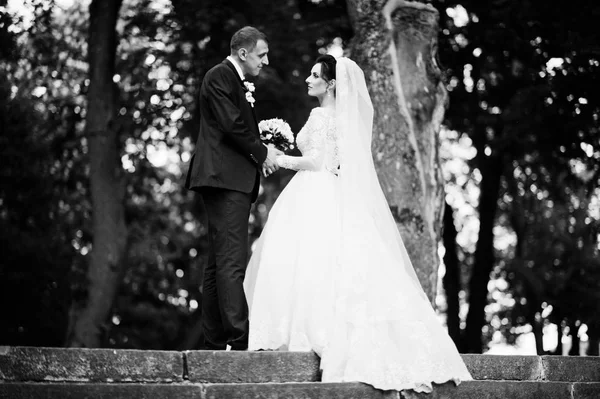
x=317, y=141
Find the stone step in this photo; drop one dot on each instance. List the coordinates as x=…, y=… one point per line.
x=84, y=365
x=467, y=390
x=23, y=364
x=257, y=367
x=76, y=390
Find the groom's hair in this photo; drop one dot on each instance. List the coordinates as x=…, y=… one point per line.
x=247, y=37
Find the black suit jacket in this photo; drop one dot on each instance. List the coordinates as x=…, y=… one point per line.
x=228, y=151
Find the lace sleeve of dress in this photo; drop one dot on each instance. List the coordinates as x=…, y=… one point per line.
x=314, y=152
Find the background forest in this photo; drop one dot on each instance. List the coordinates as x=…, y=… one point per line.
x=520, y=149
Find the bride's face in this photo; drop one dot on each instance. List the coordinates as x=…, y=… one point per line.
x=317, y=86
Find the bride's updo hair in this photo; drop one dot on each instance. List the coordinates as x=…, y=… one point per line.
x=327, y=66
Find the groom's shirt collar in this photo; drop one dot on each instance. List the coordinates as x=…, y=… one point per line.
x=238, y=68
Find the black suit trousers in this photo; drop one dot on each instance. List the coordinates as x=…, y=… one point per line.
x=224, y=305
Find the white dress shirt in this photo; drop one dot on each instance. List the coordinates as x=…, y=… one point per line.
x=238, y=68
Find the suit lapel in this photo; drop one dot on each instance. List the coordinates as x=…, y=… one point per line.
x=235, y=72
x=253, y=114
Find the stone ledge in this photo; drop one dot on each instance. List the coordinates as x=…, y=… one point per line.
x=467, y=390
x=257, y=367
x=107, y=365
x=497, y=367
x=83, y=365
x=571, y=368
x=61, y=390
x=586, y=390
x=252, y=367
x=311, y=390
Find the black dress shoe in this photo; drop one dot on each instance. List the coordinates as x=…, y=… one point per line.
x=239, y=347
x=212, y=347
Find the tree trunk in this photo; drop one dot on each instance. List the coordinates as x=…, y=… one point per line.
x=574, y=331
x=491, y=171
x=594, y=342
x=451, y=279
x=559, y=345
x=395, y=42
x=534, y=287
x=537, y=325
x=106, y=178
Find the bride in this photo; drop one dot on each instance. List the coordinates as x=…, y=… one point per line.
x=330, y=272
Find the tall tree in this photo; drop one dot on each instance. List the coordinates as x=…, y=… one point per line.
x=503, y=60
x=106, y=178
x=395, y=42
x=451, y=279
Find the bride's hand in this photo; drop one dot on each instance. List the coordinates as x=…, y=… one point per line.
x=270, y=165
x=268, y=171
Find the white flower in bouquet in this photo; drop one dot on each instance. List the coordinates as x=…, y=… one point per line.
x=278, y=133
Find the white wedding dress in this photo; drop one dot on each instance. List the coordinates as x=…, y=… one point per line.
x=290, y=278
x=344, y=289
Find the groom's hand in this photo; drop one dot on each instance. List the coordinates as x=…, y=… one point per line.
x=270, y=165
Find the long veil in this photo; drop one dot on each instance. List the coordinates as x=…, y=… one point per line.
x=365, y=215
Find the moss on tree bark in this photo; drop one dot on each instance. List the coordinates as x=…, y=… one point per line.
x=395, y=43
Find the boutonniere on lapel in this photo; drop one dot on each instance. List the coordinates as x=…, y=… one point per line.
x=249, y=90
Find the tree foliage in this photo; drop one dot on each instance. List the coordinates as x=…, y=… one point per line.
x=521, y=79
x=162, y=54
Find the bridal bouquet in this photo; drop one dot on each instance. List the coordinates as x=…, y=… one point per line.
x=278, y=133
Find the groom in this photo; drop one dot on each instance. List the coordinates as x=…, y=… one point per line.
x=225, y=171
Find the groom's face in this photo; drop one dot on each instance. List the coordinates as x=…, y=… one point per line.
x=257, y=58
